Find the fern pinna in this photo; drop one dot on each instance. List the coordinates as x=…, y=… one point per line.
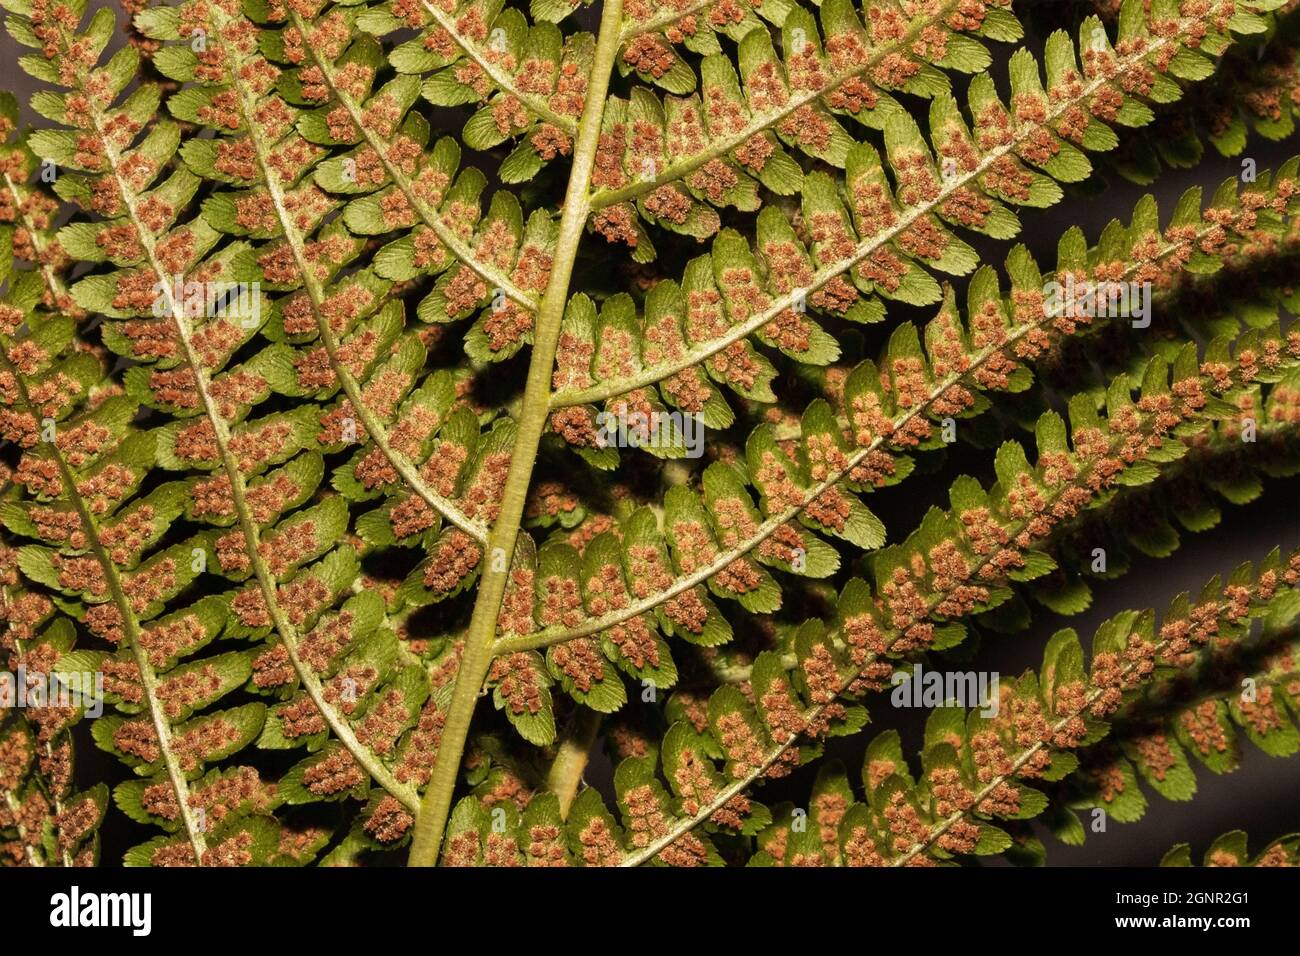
x=366, y=360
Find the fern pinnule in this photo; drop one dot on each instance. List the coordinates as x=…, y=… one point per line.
x=694, y=24
x=227, y=731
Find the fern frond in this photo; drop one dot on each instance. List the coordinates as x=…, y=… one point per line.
x=1257, y=96
x=982, y=766
x=478, y=52
x=956, y=564
x=726, y=297
x=309, y=413
x=969, y=185
x=686, y=155
x=288, y=593
x=987, y=352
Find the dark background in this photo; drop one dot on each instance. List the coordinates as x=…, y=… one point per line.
x=1263, y=796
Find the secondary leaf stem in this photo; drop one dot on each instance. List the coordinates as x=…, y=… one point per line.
x=498, y=76
x=266, y=582
x=635, y=28
x=446, y=235
x=130, y=632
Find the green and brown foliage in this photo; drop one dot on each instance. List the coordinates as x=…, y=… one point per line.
x=313, y=317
